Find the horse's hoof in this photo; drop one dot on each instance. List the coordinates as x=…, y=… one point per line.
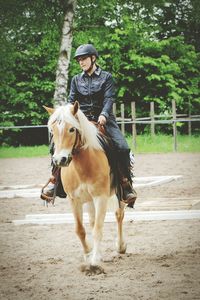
x=122, y=248
x=91, y=270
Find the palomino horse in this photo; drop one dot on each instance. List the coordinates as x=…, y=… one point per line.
x=85, y=174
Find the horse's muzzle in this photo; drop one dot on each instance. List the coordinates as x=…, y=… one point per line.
x=62, y=161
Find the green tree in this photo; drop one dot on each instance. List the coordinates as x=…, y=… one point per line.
x=150, y=46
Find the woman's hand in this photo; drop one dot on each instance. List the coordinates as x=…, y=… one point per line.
x=102, y=120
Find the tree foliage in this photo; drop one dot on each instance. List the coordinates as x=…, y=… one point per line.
x=150, y=46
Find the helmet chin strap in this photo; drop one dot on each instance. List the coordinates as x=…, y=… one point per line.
x=91, y=65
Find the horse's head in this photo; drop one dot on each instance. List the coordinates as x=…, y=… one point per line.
x=71, y=131
x=64, y=127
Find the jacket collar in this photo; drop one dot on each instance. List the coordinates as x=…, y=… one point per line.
x=96, y=72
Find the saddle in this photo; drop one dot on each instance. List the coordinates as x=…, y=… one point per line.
x=108, y=147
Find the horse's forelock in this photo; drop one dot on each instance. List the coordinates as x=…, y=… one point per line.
x=64, y=114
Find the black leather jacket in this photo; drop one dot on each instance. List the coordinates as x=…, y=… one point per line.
x=94, y=93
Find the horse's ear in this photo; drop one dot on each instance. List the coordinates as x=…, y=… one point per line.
x=49, y=110
x=75, y=108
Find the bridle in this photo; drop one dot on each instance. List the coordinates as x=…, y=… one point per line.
x=75, y=149
x=78, y=144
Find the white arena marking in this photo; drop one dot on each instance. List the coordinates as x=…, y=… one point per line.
x=20, y=193
x=33, y=191
x=45, y=219
x=154, y=180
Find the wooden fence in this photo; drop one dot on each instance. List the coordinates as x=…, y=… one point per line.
x=154, y=119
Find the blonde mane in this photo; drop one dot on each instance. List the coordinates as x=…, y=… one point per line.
x=87, y=130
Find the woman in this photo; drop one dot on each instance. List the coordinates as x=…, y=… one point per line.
x=94, y=90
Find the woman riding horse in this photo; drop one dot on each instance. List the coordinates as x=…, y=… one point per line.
x=94, y=90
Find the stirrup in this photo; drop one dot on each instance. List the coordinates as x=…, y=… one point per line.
x=43, y=196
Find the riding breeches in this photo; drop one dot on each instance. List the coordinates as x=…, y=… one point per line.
x=113, y=131
x=121, y=147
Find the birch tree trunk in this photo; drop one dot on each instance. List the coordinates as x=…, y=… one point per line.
x=60, y=95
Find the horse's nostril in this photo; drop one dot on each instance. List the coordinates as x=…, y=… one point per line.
x=63, y=160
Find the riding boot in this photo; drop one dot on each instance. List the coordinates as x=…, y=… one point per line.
x=129, y=194
x=47, y=192
x=125, y=166
x=53, y=187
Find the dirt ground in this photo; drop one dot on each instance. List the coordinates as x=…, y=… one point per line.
x=162, y=259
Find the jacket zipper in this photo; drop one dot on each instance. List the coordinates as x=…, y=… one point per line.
x=89, y=92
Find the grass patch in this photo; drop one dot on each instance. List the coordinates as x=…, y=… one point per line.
x=164, y=143
x=145, y=144
x=24, y=151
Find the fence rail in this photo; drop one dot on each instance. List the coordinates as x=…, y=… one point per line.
x=25, y=126
x=129, y=121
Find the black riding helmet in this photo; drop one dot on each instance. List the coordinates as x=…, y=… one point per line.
x=86, y=49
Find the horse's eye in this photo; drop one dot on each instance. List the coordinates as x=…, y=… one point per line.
x=72, y=129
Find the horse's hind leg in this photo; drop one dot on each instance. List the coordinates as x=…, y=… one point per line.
x=79, y=228
x=121, y=245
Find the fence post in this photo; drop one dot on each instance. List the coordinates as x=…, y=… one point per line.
x=134, y=132
x=174, y=124
x=122, y=117
x=189, y=123
x=152, y=118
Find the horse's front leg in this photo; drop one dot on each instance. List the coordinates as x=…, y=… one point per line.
x=91, y=213
x=119, y=213
x=79, y=228
x=100, y=204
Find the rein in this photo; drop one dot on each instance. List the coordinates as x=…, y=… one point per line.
x=75, y=148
